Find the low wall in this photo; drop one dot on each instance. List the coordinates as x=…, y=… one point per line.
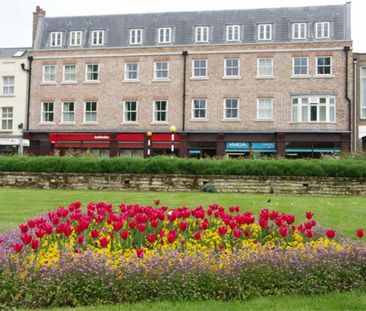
x=242, y=184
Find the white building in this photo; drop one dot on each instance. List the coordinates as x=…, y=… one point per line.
x=13, y=99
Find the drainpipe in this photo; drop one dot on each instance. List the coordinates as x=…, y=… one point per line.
x=184, y=53
x=346, y=49
x=29, y=71
x=355, y=101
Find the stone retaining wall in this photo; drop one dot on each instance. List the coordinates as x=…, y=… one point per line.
x=242, y=184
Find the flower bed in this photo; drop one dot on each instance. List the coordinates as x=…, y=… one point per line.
x=71, y=257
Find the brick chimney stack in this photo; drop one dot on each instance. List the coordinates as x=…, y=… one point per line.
x=39, y=12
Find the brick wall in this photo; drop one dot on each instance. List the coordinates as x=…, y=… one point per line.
x=173, y=183
x=112, y=90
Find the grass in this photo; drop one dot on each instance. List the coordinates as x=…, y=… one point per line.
x=343, y=213
x=333, y=301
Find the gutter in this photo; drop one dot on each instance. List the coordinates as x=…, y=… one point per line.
x=346, y=49
x=184, y=53
x=29, y=71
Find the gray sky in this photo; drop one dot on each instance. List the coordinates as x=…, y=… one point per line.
x=16, y=15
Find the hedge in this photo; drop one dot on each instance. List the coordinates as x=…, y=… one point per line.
x=170, y=165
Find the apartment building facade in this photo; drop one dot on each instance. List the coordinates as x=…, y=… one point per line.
x=13, y=94
x=268, y=81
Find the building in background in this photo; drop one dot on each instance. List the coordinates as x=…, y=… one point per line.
x=13, y=98
x=266, y=81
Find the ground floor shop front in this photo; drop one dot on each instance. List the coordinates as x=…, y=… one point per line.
x=189, y=144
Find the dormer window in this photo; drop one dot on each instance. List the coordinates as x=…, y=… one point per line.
x=322, y=30
x=265, y=32
x=165, y=35
x=55, y=39
x=97, y=37
x=201, y=34
x=75, y=38
x=298, y=31
x=232, y=33
x=136, y=36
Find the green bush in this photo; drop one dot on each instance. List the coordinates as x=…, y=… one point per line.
x=169, y=165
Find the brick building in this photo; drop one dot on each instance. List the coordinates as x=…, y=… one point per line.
x=269, y=81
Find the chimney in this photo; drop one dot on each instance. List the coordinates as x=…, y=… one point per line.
x=39, y=12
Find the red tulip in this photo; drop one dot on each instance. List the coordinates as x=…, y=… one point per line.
x=117, y=225
x=35, y=244
x=40, y=233
x=197, y=235
x=26, y=238
x=151, y=237
x=141, y=227
x=104, y=242
x=360, y=233
x=140, y=253
x=247, y=233
x=154, y=223
x=183, y=225
x=172, y=235
x=23, y=228
x=309, y=234
x=124, y=235
x=290, y=219
x=283, y=231
x=330, y=233
x=157, y=201
x=221, y=247
x=263, y=222
x=222, y=230
x=132, y=224
x=309, y=215
x=94, y=233
x=80, y=239
x=236, y=233
x=17, y=247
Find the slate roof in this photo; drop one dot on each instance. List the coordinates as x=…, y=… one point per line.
x=9, y=52
x=117, y=26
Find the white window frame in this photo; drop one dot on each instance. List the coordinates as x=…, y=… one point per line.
x=64, y=80
x=362, y=90
x=301, y=33
x=322, y=26
x=304, y=106
x=92, y=72
x=234, y=30
x=56, y=39
x=330, y=66
x=8, y=119
x=226, y=118
x=69, y=112
x=259, y=67
x=202, y=34
x=125, y=111
x=8, y=85
x=76, y=38
x=136, y=36
x=293, y=67
x=51, y=76
x=96, y=112
x=127, y=78
x=97, y=37
x=155, y=111
x=259, y=117
x=156, y=70
x=263, y=29
x=164, y=35
x=231, y=67
x=199, y=68
x=43, y=112
x=200, y=109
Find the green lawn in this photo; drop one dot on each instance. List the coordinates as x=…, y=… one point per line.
x=344, y=213
x=334, y=301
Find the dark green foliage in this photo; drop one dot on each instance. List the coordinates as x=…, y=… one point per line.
x=169, y=165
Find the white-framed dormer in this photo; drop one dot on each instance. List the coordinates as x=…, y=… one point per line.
x=233, y=33
x=76, y=38
x=322, y=30
x=136, y=36
x=202, y=34
x=165, y=35
x=56, y=39
x=97, y=37
x=299, y=31
x=264, y=32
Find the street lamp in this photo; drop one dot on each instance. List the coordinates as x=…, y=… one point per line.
x=148, y=134
x=20, y=148
x=172, y=131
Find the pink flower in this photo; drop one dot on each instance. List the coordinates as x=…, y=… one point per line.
x=140, y=253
